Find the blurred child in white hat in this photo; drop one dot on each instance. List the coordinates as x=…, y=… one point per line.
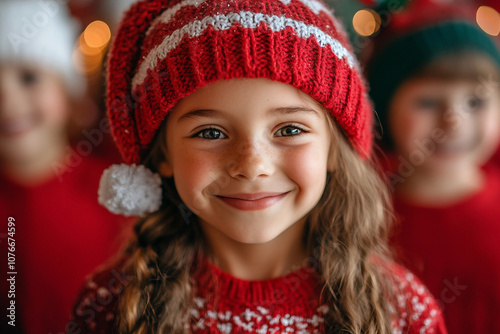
x=47, y=185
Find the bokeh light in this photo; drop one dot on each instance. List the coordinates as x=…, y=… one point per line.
x=91, y=48
x=366, y=22
x=97, y=34
x=488, y=19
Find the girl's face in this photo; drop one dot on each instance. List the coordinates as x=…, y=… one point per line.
x=248, y=156
x=442, y=125
x=33, y=112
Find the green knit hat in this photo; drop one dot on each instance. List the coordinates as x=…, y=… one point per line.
x=414, y=38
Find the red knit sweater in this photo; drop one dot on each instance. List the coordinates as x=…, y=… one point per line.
x=226, y=304
x=496, y=157
x=62, y=235
x=455, y=250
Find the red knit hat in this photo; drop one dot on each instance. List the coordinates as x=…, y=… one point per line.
x=167, y=49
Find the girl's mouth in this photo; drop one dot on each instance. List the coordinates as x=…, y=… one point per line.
x=454, y=149
x=13, y=128
x=252, y=201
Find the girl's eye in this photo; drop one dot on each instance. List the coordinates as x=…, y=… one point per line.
x=428, y=103
x=210, y=134
x=289, y=131
x=475, y=103
x=28, y=78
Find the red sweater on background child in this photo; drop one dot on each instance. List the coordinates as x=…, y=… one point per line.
x=61, y=235
x=227, y=304
x=496, y=157
x=455, y=251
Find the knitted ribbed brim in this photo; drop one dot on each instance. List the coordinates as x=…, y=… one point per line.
x=166, y=50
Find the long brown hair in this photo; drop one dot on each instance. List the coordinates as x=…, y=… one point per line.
x=346, y=237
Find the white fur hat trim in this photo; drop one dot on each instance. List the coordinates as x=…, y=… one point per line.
x=43, y=33
x=130, y=190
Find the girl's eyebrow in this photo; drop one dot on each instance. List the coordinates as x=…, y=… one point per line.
x=210, y=113
x=199, y=113
x=297, y=109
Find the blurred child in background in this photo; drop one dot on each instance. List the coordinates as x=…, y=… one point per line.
x=434, y=81
x=47, y=185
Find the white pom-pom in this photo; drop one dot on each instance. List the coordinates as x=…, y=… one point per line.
x=130, y=190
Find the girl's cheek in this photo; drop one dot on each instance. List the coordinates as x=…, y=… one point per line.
x=488, y=131
x=194, y=170
x=412, y=127
x=307, y=167
x=401, y=127
x=421, y=126
x=53, y=105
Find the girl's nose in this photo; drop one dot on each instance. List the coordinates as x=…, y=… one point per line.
x=456, y=120
x=251, y=161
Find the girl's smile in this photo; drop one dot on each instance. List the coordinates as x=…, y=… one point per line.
x=248, y=156
x=255, y=201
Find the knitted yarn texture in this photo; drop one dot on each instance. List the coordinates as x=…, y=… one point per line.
x=166, y=50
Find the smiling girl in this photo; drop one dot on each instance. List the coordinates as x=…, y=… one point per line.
x=270, y=217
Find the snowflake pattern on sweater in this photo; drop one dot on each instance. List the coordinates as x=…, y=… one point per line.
x=260, y=320
x=226, y=304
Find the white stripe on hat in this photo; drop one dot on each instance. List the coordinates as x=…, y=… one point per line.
x=247, y=20
x=168, y=14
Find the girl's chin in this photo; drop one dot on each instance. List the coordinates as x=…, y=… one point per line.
x=23, y=148
x=250, y=236
x=444, y=164
x=450, y=157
